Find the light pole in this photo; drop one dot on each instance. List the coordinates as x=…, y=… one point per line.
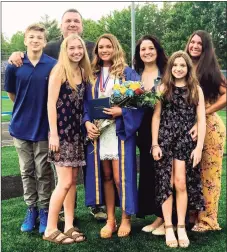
x=132, y=31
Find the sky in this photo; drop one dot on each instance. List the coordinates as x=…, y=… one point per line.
x=14, y=18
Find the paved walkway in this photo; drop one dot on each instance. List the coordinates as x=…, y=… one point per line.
x=7, y=140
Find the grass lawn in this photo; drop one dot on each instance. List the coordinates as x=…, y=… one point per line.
x=7, y=105
x=14, y=240
x=4, y=93
x=10, y=162
x=13, y=211
x=6, y=118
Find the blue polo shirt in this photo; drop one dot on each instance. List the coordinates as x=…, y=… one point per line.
x=30, y=85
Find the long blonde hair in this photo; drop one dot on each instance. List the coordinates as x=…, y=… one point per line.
x=64, y=68
x=192, y=96
x=118, y=58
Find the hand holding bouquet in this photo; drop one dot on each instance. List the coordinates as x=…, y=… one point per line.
x=101, y=125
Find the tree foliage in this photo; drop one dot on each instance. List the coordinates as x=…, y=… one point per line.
x=172, y=24
x=4, y=47
x=91, y=30
x=17, y=42
x=53, y=31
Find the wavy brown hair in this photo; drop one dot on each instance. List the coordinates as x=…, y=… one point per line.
x=161, y=56
x=192, y=95
x=208, y=69
x=118, y=58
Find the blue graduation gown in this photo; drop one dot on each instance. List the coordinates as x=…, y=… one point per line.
x=126, y=127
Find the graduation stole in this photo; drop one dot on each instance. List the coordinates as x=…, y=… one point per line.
x=103, y=83
x=97, y=182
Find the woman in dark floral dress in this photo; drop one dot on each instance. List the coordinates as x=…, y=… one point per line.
x=65, y=108
x=176, y=156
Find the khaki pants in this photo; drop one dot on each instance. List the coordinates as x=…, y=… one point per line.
x=35, y=171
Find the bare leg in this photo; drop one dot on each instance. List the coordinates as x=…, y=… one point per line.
x=109, y=189
x=181, y=200
x=57, y=199
x=125, y=227
x=167, y=208
x=110, y=227
x=69, y=204
x=69, y=201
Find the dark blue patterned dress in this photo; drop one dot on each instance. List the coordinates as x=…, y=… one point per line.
x=177, y=118
x=69, y=120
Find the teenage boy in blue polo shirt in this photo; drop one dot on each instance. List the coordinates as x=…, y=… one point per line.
x=27, y=87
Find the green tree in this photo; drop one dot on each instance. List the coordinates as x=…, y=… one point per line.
x=183, y=18
x=5, y=47
x=214, y=20
x=92, y=30
x=17, y=42
x=53, y=31
x=119, y=24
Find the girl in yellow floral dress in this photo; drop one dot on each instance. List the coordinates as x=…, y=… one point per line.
x=201, y=50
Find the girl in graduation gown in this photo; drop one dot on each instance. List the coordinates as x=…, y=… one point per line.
x=111, y=158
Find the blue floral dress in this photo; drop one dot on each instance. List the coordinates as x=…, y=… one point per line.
x=69, y=120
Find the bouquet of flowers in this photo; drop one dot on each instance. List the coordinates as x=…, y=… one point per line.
x=131, y=94
x=102, y=125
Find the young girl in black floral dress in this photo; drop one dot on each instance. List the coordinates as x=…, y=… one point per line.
x=66, y=150
x=176, y=156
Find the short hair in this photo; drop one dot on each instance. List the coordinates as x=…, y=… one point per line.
x=36, y=27
x=71, y=10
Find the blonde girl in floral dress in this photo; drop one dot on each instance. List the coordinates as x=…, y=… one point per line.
x=67, y=86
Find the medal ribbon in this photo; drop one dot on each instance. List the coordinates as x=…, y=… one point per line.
x=103, y=83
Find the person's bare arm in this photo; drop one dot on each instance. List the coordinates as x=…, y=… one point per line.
x=16, y=59
x=53, y=94
x=201, y=121
x=220, y=103
x=155, y=123
x=11, y=96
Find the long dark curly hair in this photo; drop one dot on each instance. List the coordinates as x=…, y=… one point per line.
x=208, y=70
x=161, y=56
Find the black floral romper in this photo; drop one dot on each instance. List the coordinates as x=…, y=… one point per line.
x=177, y=118
x=69, y=120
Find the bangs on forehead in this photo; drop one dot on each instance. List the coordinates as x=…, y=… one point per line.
x=36, y=27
